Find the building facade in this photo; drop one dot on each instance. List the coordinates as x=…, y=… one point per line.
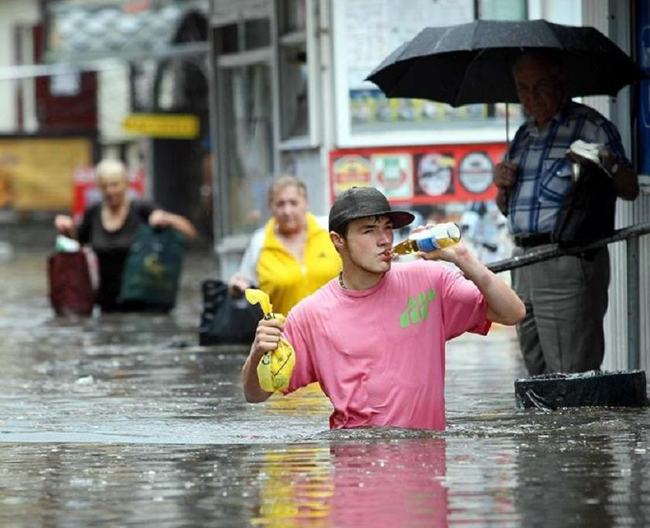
x=288, y=94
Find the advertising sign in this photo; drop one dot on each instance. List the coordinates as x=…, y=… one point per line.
x=446, y=183
x=475, y=172
x=434, y=173
x=173, y=126
x=36, y=173
x=392, y=174
x=349, y=171
x=419, y=175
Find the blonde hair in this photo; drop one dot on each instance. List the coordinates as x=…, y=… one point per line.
x=110, y=167
x=286, y=180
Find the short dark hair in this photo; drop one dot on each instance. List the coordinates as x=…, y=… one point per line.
x=549, y=58
x=343, y=229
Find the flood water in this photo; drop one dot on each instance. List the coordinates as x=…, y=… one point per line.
x=124, y=420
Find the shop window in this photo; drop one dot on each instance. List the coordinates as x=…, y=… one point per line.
x=228, y=39
x=364, y=111
x=257, y=34
x=500, y=10
x=167, y=89
x=292, y=16
x=248, y=145
x=294, y=96
x=247, y=35
x=293, y=69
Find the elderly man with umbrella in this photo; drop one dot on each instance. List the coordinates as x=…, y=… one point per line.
x=541, y=65
x=566, y=298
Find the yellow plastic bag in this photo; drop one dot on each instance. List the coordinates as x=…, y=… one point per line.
x=275, y=368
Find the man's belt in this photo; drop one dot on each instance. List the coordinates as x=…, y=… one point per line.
x=528, y=240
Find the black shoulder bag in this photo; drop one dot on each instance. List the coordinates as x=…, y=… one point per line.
x=587, y=210
x=226, y=319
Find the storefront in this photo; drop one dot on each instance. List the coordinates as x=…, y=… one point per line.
x=151, y=63
x=288, y=82
x=267, y=112
x=290, y=94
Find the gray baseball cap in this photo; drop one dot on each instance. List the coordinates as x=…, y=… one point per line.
x=360, y=202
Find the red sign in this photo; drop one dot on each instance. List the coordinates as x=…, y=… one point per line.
x=349, y=171
x=87, y=193
x=419, y=175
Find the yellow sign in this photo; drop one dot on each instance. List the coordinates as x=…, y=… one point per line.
x=36, y=173
x=178, y=126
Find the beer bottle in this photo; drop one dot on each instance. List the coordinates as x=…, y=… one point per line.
x=436, y=237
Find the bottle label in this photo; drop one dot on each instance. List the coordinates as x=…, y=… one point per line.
x=428, y=244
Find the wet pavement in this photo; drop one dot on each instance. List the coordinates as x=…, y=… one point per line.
x=124, y=420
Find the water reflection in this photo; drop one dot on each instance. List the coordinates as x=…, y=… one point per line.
x=582, y=482
x=548, y=496
x=297, y=487
x=349, y=484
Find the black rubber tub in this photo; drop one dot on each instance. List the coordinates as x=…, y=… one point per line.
x=593, y=388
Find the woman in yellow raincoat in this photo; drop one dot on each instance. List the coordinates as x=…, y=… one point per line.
x=292, y=255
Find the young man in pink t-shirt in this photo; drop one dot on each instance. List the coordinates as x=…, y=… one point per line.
x=375, y=338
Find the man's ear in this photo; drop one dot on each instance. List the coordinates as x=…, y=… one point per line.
x=337, y=240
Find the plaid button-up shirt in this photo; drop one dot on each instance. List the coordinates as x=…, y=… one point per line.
x=544, y=172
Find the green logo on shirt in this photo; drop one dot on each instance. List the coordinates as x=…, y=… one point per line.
x=417, y=308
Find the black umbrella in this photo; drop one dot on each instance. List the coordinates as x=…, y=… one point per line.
x=472, y=63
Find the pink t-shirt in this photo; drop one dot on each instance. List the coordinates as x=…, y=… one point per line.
x=379, y=353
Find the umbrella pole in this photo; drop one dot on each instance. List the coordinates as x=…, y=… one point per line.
x=507, y=131
x=507, y=156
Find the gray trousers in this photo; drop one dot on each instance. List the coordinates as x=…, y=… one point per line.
x=566, y=301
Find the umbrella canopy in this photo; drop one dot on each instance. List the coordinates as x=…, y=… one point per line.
x=472, y=63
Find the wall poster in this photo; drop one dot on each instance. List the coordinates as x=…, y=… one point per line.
x=36, y=173
x=446, y=183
